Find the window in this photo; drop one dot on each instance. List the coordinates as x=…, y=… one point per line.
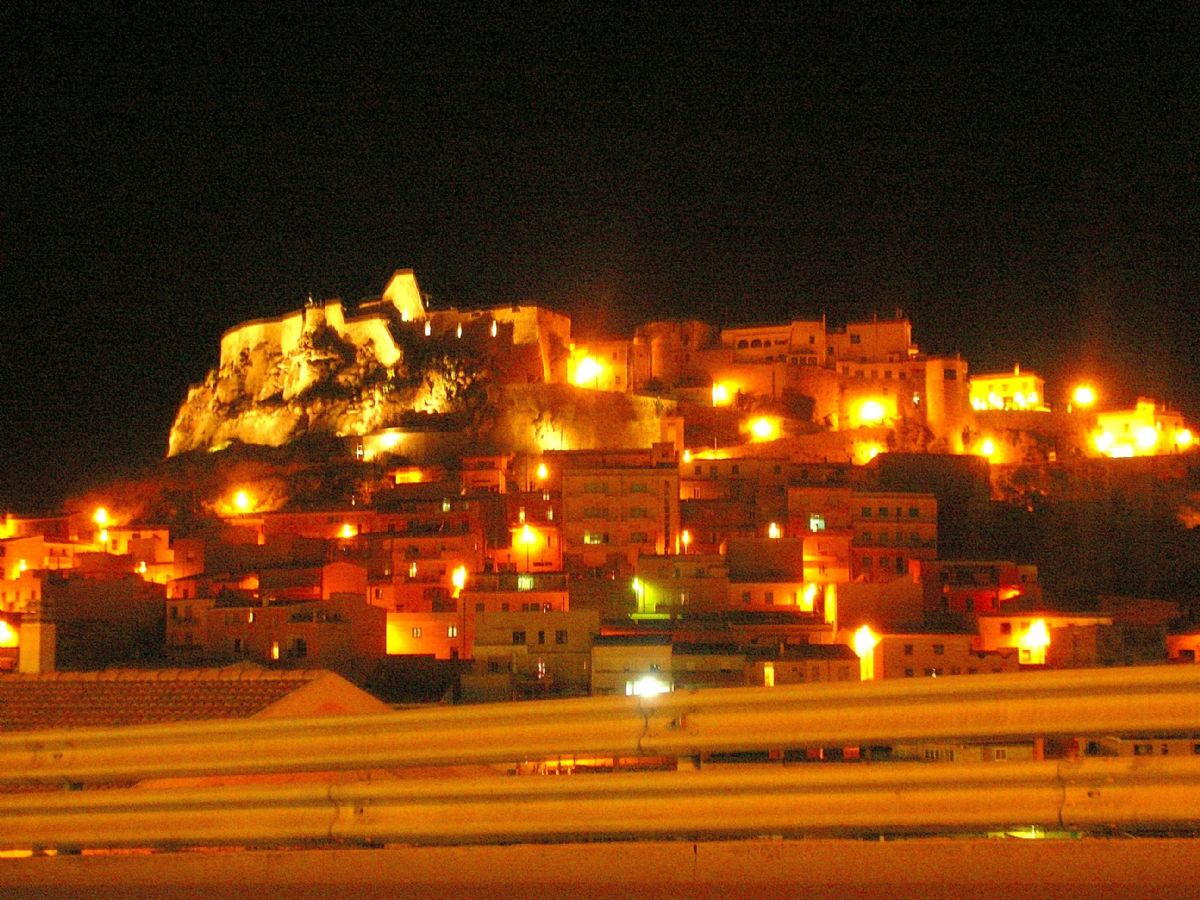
x=866, y=562
x=908, y=673
x=503, y=607
x=237, y=645
x=541, y=637
x=300, y=648
x=939, y=649
x=518, y=637
x=816, y=522
x=416, y=632
x=770, y=597
x=524, y=582
x=736, y=469
x=595, y=537
x=452, y=631
x=745, y=596
x=866, y=512
x=950, y=374
x=560, y=636
x=639, y=537
x=908, y=649
x=914, y=513
x=855, y=338
x=883, y=512
x=639, y=487
x=1006, y=627
x=493, y=667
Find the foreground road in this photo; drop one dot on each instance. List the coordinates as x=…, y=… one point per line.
x=928, y=867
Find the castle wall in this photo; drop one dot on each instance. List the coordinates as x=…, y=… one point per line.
x=374, y=329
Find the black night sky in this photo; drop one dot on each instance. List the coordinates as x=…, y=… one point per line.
x=1025, y=187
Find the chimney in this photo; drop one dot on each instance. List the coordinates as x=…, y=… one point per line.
x=37, y=642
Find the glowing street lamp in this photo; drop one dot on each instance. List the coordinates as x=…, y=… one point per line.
x=528, y=537
x=648, y=686
x=100, y=517
x=764, y=429
x=542, y=472
x=871, y=412
x=774, y=532
x=348, y=531
x=587, y=371
x=1184, y=438
x=1084, y=396
x=686, y=540
x=865, y=641
x=458, y=578
x=720, y=394
x=1146, y=438
x=242, y=501
x=687, y=456
x=1033, y=643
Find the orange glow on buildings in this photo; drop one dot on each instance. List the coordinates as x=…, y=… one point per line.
x=458, y=578
x=100, y=517
x=1145, y=430
x=865, y=451
x=8, y=635
x=347, y=531
x=1013, y=390
x=242, y=502
x=542, y=472
x=720, y=394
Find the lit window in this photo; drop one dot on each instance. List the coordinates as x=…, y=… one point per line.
x=816, y=522
x=452, y=631
x=524, y=582
x=416, y=632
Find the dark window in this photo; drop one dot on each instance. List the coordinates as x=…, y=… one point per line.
x=1006, y=627
x=856, y=338
x=951, y=374
x=560, y=636
x=300, y=648
x=939, y=649
x=518, y=637
x=541, y=637
x=908, y=649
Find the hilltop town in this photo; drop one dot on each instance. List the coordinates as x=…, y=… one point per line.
x=478, y=504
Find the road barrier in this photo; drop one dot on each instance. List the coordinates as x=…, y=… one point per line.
x=836, y=799
x=1139, y=792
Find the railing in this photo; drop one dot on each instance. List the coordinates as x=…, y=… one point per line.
x=1131, y=793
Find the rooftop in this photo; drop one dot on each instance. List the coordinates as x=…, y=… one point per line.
x=115, y=697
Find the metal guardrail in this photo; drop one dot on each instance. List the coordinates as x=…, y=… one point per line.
x=1131, y=793
x=894, y=798
x=1152, y=700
